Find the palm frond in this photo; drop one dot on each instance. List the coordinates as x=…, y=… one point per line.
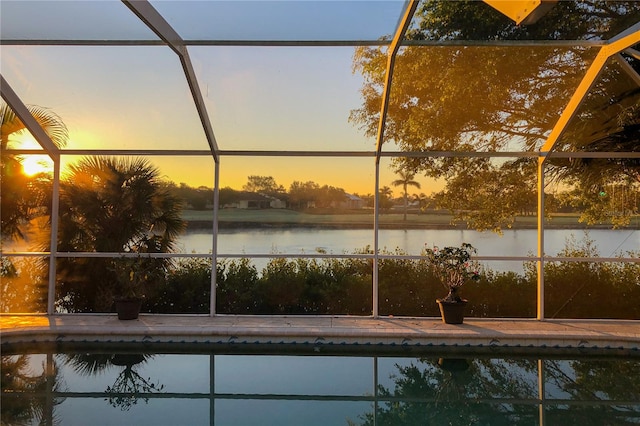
x=50, y=122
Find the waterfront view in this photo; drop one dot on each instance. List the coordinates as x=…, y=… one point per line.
x=523, y=242
x=322, y=212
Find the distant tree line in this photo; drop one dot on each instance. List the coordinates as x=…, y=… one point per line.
x=300, y=196
x=610, y=203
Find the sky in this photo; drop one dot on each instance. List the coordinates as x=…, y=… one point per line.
x=257, y=98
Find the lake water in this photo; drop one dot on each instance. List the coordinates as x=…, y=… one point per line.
x=522, y=242
x=339, y=241
x=96, y=388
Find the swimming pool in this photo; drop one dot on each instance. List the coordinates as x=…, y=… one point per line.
x=216, y=385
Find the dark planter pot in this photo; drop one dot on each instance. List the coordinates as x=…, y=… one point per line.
x=453, y=365
x=452, y=312
x=128, y=309
x=127, y=360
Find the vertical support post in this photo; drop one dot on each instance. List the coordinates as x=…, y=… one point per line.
x=375, y=390
x=212, y=389
x=394, y=47
x=540, y=261
x=541, y=396
x=376, y=224
x=214, y=243
x=53, y=247
x=50, y=375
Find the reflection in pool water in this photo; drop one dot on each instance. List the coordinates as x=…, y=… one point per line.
x=83, y=387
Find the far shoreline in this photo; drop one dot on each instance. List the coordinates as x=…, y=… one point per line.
x=286, y=219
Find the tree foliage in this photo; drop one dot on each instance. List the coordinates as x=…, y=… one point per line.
x=110, y=204
x=489, y=196
x=458, y=97
x=468, y=390
x=310, y=194
x=262, y=184
x=23, y=285
x=23, y=196
x=23, y=400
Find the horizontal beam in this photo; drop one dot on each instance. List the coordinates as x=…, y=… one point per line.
x=308, y=43
x=408, y=154
x=314, y=256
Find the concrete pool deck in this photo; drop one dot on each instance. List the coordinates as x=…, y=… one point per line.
x=322, y=331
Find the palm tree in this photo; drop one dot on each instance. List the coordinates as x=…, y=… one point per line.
x=129, y=386
x=110, y=204
x=385, y=196
x=422, y=200
x=24, y=391
x=20, y=193
x=406, y=179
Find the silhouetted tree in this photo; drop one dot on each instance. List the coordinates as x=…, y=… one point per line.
x=22, y=195
x=406, y=179
x=263, y=184
x=110, y=204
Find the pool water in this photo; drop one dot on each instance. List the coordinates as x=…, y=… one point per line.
x=86, y=386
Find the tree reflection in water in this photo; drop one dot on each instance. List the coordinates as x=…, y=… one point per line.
x=505, y=392
x=24, y=397
x=129, y=386
x=453, y=389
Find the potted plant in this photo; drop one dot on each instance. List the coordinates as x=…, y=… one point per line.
x=453, y=267
x=135, y=276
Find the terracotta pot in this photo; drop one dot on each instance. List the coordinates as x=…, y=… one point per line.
x=452, y=312
x=128, y=309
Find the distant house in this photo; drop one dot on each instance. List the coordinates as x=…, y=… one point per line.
x=352, y=202
x=254, y=200
x=276, y=203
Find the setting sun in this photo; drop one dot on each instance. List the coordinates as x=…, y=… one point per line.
x=32, y=164
x=35, y=164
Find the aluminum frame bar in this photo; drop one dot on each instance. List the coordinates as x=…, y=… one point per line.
x=540, y=247
x=29, y=121
x=307, y=43
x=614, y=46
x=361, y=154
x=633, y=53
x=23, y=113
x=392, y=51
x=53, y=243
x=627, y=68
x=214, y=242
x=617, y=44
x=156, y=22
x=376, y=241
x=391, y=59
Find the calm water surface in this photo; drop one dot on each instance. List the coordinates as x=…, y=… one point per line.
x=338, y=241
x=233, y=389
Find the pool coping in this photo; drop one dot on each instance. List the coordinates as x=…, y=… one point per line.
x=322, y=331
